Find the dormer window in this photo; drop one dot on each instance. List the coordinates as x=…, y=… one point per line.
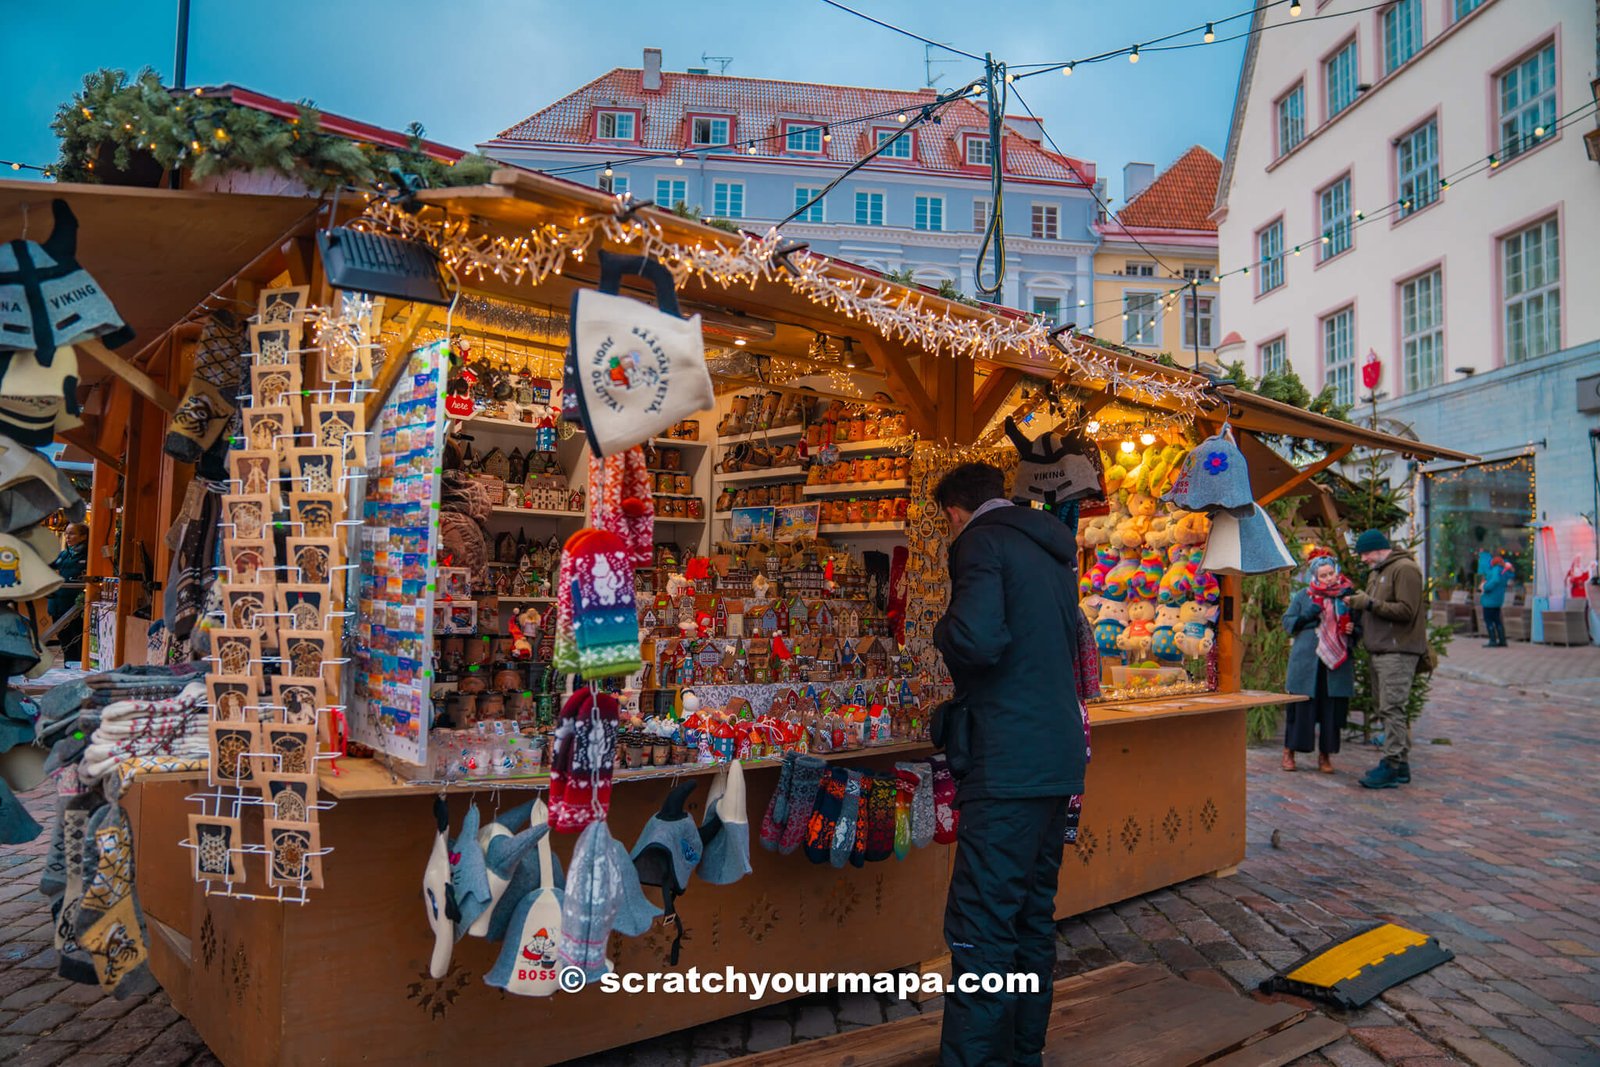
x=804, y=138
x=615, y=126
x=976, y=151
x=709, y=132
x=899, y=149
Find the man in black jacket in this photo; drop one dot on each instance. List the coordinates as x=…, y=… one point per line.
x=1008, y=638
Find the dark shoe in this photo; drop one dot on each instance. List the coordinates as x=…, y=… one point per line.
x=1324, y=763
x=1382, y=776
x=1403, y=774
x=1288, y=760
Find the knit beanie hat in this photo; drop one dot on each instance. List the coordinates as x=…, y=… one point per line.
x=589, y=907
x=586, y=752
x=666, y=854
x=1056, y=468
x=1372, y=541
x=804, y=787
x=1213, y=476
x=436, y=895
x=1247, y=545
x=109, y=924
x=923, y=816
x=221, y=363
x=47, y=299
x=725, y=830
x=944, y=798
x=526, y=965
x=525, y=875
x=621, y=501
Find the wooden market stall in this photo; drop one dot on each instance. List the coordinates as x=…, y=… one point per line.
x=345, y=976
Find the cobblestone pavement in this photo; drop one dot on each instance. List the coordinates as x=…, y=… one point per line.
x=1494, y=848
x=1541, y=669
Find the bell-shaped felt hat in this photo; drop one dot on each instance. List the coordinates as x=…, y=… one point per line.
x=725, y=830
x=666, y=854
x=1248, y=544
x=47, y=299
x=1213, y=476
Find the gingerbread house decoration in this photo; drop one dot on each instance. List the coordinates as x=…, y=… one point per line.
x=821, y=617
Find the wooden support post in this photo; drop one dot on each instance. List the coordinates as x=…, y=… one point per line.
x=960, y=374
x=1285, y=488
x=1230, y=647
x=992, y=393
x=137, y=379
x=891, y=359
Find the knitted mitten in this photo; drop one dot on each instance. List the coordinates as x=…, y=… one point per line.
x=621, y=501
x=605, y=623
x=904, y=790
x=110, y=925
x=944, y=797
x=221, y=364
x=823, y=824
x=778, y=809
x=804, y=786
x=844, y=830
x=922, y=813
x=565, y=657
x=879, y=802
x=561, y=749
x=586, y=795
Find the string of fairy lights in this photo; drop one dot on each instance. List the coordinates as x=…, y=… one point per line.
x=1523, y=460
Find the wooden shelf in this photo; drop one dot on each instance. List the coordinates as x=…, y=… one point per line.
x=847, y=488
x=674, y=442
x=765, y=474
x=1172, y=707
x=862, y=528
x=677, y=496
x=678, y=520
x=507, y=599
x=539, y=513
x=504, y=424
x=880, y=444
x=792, y=432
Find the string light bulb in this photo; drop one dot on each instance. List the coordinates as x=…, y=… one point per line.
x=1538, y=131
x=1147, y=439
x=900, y=117
x=752, y=148
x=1010, y=77
x=1294, y=9
x=1494, y=161
x=1127, y=447
x=1133, y=56
x=1066, y=71
x=1211, y=33
x=16, y=166
x=827, y=135
x=677, y=161
x=1094, y=426
x=607, y=172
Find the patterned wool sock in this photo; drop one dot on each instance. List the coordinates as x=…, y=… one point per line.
x=110, y=925
x=73, y=963
x=905, y=789
x=221, y=364
x=823, y=824
x=844, y=831
x=922, y=814
x=804, y=786
x=944, y=798
x=778, y=810
x=879, y=802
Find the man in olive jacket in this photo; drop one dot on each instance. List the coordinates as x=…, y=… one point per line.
x=1008, y=638
x=1395, y=635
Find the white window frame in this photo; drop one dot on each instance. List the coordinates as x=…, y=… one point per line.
x=1046, y=222
x=728, y=192
x=1400, y=25
x=616, y=117
x=1416, y=168
x=1462, y=8
x=816, y=212
x=1334, y=214
x=1528, y=291
x=1139, y=309
x=1273, y=356
x=982, y=206
x=1338, y=337
x=1198, y=274
x=667, y=185
x=1206, y=321
x=616, y=185
x=1422, y=330
x=1526, y=114
x=1341, y=73
x=1269, y=254
x=1136, y=268
x=808, y=133
x=981, y=158
x=1054, y=318
x=925, y=204
x=711, y=138
x=864, y=197
x=1291, y=112
x=904, y=148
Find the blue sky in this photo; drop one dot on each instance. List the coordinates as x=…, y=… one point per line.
x=470, y=68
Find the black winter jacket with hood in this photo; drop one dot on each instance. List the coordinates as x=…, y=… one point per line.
x=1009, y=638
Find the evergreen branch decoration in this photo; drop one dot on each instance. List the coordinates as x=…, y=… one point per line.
x=119, y=126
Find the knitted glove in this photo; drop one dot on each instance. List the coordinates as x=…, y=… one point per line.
x=804, y=786
x=221, y=364
x=944, y=796
x=922, y=813
x=823, y=825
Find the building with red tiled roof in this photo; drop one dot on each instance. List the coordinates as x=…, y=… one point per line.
x=1155, y=269
x=756, y=150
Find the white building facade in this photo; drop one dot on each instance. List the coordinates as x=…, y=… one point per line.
x=1414, y=181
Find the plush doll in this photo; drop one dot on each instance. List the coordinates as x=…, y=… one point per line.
x=1094, y=579
x=1152, y=568
x=1195, y=636
x=1178, y=580
x=1116, y=473
x=1110, y=623
x=1162, y=534
x=1126, y=540
x=1136, y=638
x=1164, y=635
x=1091, y=606
x=1142, y=509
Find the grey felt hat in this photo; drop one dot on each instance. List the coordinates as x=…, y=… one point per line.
x=1248, y=544
x=469, y=874
x=47, y=299
x=666, y=854
x=725, y=830
x=1213, y=476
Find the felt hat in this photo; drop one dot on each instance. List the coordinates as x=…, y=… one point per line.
x=1056, y=468
x=47, y=299
x=589, y=906
x=35, y=420
x=32, y=488
x=19, y=648
x=635, y=913
x=1372, y=541
x=1245, y=545
x=18, y=724
x=469, y=874
x=725, y=830
x=17, y=827
x=23, y=575
x=666, y=854
x=527, y=964
x=1214, y=475
x=525, y=875
x=503, y=853
x=436, y=895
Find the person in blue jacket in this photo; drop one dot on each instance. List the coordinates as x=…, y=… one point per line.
x=1008, y=638
x=1321, y=668
x=1492, y=598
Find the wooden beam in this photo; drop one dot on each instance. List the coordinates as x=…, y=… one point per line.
x=907, y=387
x=1285, y=488
x=993, y=393
x=82, y=440
x=395, y=363
x=137, y=379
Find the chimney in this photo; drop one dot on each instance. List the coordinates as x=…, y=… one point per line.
x=650, y=76
x=1136, y=178
x=1030, y=128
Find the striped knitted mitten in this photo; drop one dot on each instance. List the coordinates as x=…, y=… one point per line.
x=922, y=813
x=944, y=798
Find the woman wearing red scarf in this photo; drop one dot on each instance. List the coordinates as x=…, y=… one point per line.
x=1320, y=665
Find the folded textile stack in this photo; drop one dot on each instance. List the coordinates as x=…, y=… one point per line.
x=143, y=736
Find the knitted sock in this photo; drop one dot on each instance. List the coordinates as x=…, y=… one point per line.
x=922, y=813
x=905, y=788
x=823, y=824
x=944, y=796
x=220, y=366
x=804, y=786
x=778, y=809
x=844, y=830
x=880, y=805
x=110, y=925
x=74, y=963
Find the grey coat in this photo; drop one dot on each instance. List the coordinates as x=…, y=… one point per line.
x=1301, y=621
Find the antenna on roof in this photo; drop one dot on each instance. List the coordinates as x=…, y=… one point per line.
x=930, y=79
x=721, y=61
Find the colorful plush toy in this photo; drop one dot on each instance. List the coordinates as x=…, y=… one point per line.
x=1136, y=638
x=1195, y=636
x=1112, y=620
x=1164, y=635
x=1126, y=540
x=1142, y=508
x=1178, y=583
x=1152, y=568
x=1091, y=606
x=1094, y=579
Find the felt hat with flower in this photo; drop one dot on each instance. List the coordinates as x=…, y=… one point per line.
x=1214, y=476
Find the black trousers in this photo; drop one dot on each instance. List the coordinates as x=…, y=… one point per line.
x=1000, y=919
x=1494, y=622
x=1317, y=721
